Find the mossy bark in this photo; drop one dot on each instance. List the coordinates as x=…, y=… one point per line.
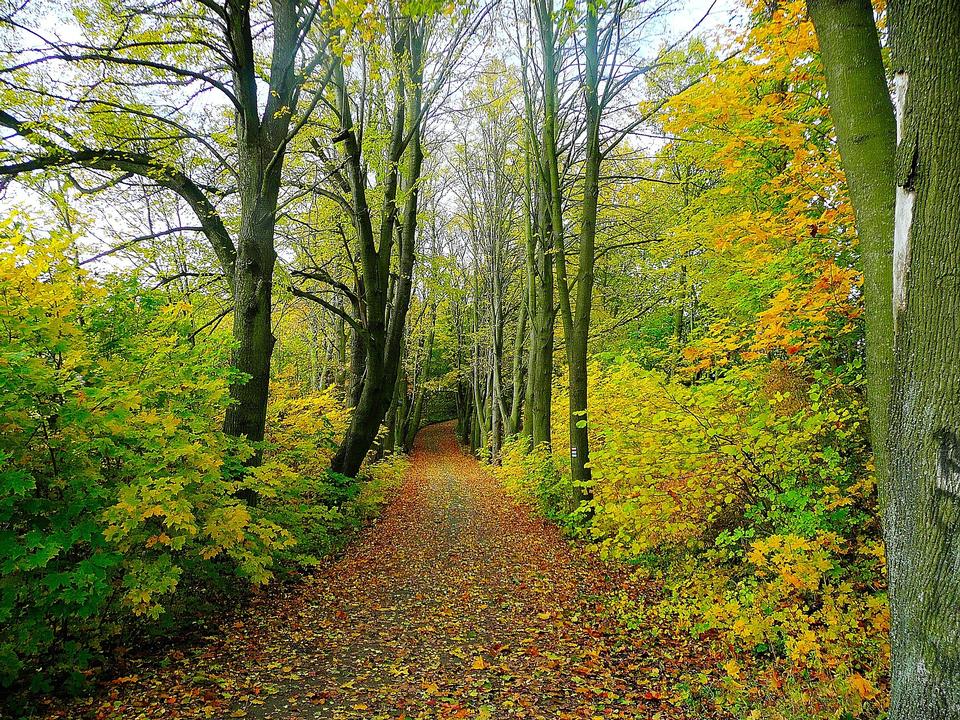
x=866, y=136
x=922, y=518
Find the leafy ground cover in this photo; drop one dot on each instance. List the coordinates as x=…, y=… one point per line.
x=457, y=603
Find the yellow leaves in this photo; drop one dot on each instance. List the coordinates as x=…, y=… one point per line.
x=478, y=664
x=803, y=645
x=791, y=579
x=732, y=668
x=757, y=556
x=863, y=687
x=161, y=539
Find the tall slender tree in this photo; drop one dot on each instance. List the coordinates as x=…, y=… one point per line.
x=866, y=135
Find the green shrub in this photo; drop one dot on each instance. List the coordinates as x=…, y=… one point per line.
x=112, y=491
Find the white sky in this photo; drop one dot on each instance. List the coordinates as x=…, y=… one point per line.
x=722, y=17
x=721, y=14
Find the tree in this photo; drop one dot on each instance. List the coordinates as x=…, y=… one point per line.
x=490, y=210
x=424, y=45
x=866, y=134
x=606, y=67
x=923, y=488
x=921, y=531
x=539, y=301
x=255, y=59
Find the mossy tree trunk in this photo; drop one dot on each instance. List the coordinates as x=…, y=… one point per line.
x=922, y=517
x=921, y=514
x=866, y=135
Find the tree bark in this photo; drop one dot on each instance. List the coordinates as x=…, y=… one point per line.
x=575, y=312
x=542, y=318
x=866, y=135
x=386, y=310
x=420, y=387
x=261, y=145
x=513, y=421
x=922, y=518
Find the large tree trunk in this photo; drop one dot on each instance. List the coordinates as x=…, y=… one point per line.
x=252, y=331
x=574, y=312
x=866, y=135
x=922, y=519
x=261, y=146
x=246, y=415
x=550, y=176
x=372, y=403
x=358, y=364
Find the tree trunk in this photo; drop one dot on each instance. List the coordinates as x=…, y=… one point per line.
x=252, y=332
x=420, y=389
x=246, y=415
x=393, y=413
x=261, y=145
x=578, y=334
x=386, y=308
x=575, y=313
x=866, y=135
x=513, y=421
x=358, y=363
x=922, y=519
x=540, y=374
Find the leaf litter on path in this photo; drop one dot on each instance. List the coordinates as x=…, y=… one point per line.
x=456, y=604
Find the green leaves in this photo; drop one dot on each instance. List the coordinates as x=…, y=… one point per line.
x=112, y=483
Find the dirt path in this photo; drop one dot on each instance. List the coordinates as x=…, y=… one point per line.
x=456, y=604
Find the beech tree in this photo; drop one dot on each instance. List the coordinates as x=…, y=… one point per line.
x=490, y=210
x=383, y=132
x=589, y=60
x=866, y=134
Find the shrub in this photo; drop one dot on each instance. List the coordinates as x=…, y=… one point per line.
x=533, y=476
x=320, y=508
x=112, y=490
x=748, y=496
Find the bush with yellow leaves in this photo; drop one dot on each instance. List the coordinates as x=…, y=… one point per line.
x=319, y=507
x=749, y=497
x=119, y=504
x=531, y=475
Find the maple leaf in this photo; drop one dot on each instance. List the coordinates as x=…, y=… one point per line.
x=732, y=668
x=863, y=687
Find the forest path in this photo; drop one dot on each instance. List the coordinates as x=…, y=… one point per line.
x=457, y=603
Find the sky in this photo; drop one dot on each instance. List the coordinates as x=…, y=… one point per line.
x=713, y=16
x=720, y=14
